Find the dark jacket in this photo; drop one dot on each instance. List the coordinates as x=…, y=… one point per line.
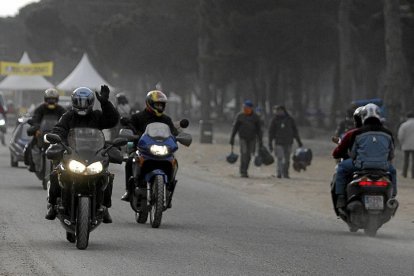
x=107, y=118
x=42, y=111
x=248, y=127
x=283, y=130
x=141, y=119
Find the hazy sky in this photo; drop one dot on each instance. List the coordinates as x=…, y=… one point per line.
x=11, y=7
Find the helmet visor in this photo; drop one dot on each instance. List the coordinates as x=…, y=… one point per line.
x=51, y=100
x=82, y=103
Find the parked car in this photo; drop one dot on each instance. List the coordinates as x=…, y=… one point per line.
x=19, y=139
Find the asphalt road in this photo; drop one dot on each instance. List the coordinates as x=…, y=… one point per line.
x=211, y=230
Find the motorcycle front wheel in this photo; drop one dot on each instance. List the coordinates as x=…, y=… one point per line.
x=156, y=201
x=82, y=223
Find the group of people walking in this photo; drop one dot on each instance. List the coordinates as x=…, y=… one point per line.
x=281, y=133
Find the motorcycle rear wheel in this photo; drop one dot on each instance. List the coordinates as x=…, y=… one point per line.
x=13, y=163
x=371, y=228
x=2, y=139
x=157, y=201
x=82, y=223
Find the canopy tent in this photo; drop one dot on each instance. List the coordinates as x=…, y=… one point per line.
x=84, y=74
x=20, y=83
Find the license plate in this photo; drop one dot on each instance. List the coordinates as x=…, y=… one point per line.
x=374, y=202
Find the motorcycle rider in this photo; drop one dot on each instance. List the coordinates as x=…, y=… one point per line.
x=155, y=102
x=372, y=148
x=124, y=110
x=49, y=107
x=83, y=115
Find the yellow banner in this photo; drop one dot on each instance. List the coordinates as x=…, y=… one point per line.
x=34, y=69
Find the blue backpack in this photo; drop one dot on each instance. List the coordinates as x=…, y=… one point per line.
x=371, y=150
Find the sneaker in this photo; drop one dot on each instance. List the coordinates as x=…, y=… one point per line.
x=340, y=201
x=279, y=175
x=244, y=175
x=125, y=197
x=51, y=213
x=106, y=216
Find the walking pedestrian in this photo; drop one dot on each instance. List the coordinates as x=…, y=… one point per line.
x=406, y=139
x=247, y=125
x=282, y=131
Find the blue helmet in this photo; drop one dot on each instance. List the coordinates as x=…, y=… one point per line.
x=82, y=100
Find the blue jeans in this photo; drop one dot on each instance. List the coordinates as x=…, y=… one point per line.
x=283, y=153
x=344, y=175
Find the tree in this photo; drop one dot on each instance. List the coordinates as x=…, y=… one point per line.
x=396, y=78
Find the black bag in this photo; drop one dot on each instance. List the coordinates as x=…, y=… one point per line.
x=258, y=160
x=301, y=159
x=232, y=157
x=266, y=156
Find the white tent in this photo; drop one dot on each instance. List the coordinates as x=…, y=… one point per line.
x=84, y=74
x=19, y=83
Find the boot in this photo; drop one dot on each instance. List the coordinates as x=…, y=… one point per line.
x=106, y=216
x=51, y=212
x=125, y=197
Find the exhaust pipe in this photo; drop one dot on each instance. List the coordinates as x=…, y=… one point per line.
x=392, y=203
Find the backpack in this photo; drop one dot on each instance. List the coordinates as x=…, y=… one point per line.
x=371, y=150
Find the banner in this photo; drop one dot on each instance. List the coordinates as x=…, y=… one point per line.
x=33, y=69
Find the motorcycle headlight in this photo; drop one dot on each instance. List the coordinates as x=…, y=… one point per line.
x=94, y=168
x=2, y=122
x=76, y=166
x=159, y=150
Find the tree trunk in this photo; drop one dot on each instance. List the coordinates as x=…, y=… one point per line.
x=396, y=78
x=204, y=53
x=345, y=77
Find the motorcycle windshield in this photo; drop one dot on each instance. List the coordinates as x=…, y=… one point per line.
x=88, y=140
x=158, y=131
x=47, y=123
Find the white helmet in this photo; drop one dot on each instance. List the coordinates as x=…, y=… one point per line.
x=370, y=111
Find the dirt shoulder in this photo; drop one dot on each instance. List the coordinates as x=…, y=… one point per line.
x=307, y=191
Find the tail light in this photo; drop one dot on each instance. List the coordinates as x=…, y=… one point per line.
x=380, y=183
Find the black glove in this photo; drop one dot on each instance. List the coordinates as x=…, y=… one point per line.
x=270, y=148
x=232, y=141
x=300, y=144
x=103, y=97
x=125, y=121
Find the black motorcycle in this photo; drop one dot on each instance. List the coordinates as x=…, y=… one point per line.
x=83, y=176
x=154, y=169
x=42, y=165
x=3, y=129
x=369, y=201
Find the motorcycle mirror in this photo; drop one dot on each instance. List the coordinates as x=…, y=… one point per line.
x=184, y=139
x=118, y=142
x=127, y=134
x=184, y=123
x=53, y=138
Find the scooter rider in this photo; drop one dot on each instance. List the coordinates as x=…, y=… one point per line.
x=83, y=115
x=49, y=107
x=153, y=113
x=372, y=148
